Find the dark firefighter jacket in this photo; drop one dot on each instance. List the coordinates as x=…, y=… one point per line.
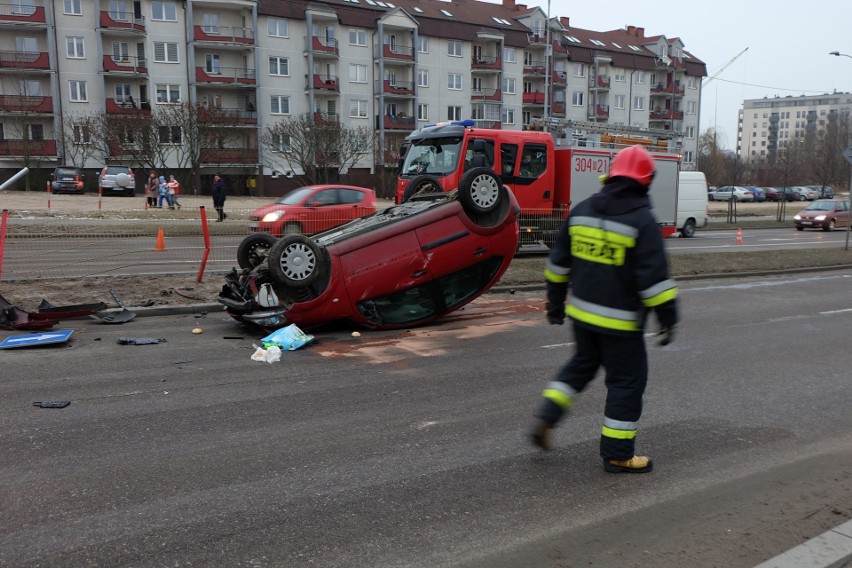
x=611, y=252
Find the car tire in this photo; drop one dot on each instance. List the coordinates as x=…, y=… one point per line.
x=420, y=185
x=735, y=198
x=799, y=228
x=688, y=229
x=802, y=197
x=711, y=198
x=480, y=191
x=831, y=226
x=296, y=261
x=254, y=250
x=291, y=229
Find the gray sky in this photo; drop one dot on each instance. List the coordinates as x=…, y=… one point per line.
x=788, y=44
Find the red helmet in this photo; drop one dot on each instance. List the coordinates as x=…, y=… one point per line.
x=634, y=162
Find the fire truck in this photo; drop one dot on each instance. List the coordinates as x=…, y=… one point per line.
x=546, y=177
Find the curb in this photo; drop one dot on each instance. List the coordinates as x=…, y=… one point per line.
x=831, y=549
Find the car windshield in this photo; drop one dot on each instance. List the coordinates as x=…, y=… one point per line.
x=821, y=205
x=296, y=196
x=434, y=156
x=114, y=170
x=66, y=171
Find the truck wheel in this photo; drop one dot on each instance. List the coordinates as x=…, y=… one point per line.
x=254, y=249
x=688, y=229
x=296, y=261
x=421, y=184
x=480, y=190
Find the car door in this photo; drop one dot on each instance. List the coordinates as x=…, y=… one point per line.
x=323, y=210
x=841, y=210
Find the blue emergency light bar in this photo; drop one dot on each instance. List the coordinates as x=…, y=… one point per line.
x=468, y=122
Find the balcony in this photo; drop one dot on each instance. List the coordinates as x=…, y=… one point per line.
x=224, y=35
x=398, y=122
x=486, y=63
x=17, y=13
x=326, y=118
x=397, y=52
x=127, y=108
x=557, y=109
x=665, y=114
x=537, y=39
x=492, y=124
x=229, y=155
x=24, y=60
x=486, y=95
x=28, y=104
x=326, y=83
x=114, y=21
x=323, y=47
x=535, y=68
x=599, y=111
x=226, y=76
x=559, y=78
x=226, y=116
x=129, y=65
x=46, y=148
x=599, y=82
x=533, y=98
x=671, y=88
x=396, y=88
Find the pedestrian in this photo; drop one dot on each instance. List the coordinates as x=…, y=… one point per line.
x=163, y=192
x=152, y=189
x=219, y=195
x=611, y=253
x=174, y=190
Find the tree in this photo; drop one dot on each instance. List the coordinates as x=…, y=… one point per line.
x=136, y=138
x=825, y=161
x=82, y=138
x=389, y=168
x=710, y=158
x=314, y=149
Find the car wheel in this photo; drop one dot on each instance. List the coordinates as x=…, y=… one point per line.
x=711, y=198
x=799, y=228
x=831, y=226
x=296, y=261
x=802, y=197
x=292, y=229
x=735, y=198
x=688, y=229
x=421, y=184
x=480, y=191
x=254, y=249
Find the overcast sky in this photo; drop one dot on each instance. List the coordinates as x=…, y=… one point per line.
x=788, y=45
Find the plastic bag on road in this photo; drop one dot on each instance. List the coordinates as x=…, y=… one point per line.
x=270, y=355
x=288, y=338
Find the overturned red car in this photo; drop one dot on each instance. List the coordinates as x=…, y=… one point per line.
x=403, y=266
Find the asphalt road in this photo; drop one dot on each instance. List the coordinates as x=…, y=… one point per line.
x=787, y=238
x=409, y=448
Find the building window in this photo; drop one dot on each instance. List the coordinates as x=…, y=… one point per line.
x=280, y=142
x=508, y=116
x=77, y=91
x=423, y=44
x=690, y=107
x=454, y=48
x=687, y=157
x=73, y=8
x=212, y=64
x=170, y=135
x=82, y=135
x=454, y=81
x=357, y=73
x=510, y=55
x=279, y=66
x=578, y=98
x=277, y=28
x=422, y=77
x=422, y=112
x=638, y=103
x=357, y=37
x=163, y=11
x=454, y=113
x=75, y=48
x=692, y=82
x=280, y=105
x=509, y=85
x=619, y=102
x=165, y=52
x=168, y=94
x=358, y=109
x=640, y=77
x=210, y=23
x=579, y=70
x=690, y=132
x=37, y=132
x=618, y=75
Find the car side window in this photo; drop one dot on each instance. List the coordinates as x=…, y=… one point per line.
x=533, y=160
x=325, y=197
x=351, y=196
x=508, y=154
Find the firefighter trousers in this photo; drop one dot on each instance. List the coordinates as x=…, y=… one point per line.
x=625, y=363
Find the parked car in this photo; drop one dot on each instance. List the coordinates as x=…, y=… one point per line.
x=825, y=214
x=114, y=180
x=759, y=194
x=728, y=192
x=312, y=209
x=794, y=194
x=809, y=192
x=823, y=192
x=773, y=194
x=403, y=266
x=67, y=179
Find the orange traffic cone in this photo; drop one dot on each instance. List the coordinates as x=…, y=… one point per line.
x=739, y=236
x=161, y=241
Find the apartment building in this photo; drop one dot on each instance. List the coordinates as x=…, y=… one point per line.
x=766, y=125
x=392, y=66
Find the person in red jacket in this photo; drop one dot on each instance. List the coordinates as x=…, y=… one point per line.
x=174, y=190
x=611, y=252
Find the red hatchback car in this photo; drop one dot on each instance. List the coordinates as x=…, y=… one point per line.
x=313, y=209
x=404, y=266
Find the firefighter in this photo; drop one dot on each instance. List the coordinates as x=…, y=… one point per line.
x=611, y=253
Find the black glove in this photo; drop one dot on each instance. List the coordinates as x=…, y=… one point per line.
x=665, y=335
x=555, y=313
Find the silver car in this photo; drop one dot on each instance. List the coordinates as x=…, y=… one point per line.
x=114, y=180
x=728, y=192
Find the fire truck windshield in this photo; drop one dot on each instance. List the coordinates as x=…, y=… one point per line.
x=433, y=156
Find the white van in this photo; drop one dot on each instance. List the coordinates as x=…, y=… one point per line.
x=691, y=202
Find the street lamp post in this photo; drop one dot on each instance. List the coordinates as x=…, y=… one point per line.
x=838, y=54
x=848, y=224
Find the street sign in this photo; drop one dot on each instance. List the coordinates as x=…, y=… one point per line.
x=47, y=338
x=847, y=153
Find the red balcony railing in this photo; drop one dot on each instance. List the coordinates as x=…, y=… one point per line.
x=671, y=88
x=396, y=51
x=666, y=114
x=324, y=46
x=226, y=116
x=535, y=68
x=557, y=108
x=396, y=88
x=326, y=82
x=327, y=118
x=486, y=95
x=16, y=103
x=20, y=13
x=533, y=98
x=127, y=108
x=115, y=21
x=27, y=147
x=24, y=60
x=599, y=82
x=129, y=64
x=560, y=78
x=599, y=111
x=224, y=34
x=226, y=75
x=486, y=62
x=396, y=122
